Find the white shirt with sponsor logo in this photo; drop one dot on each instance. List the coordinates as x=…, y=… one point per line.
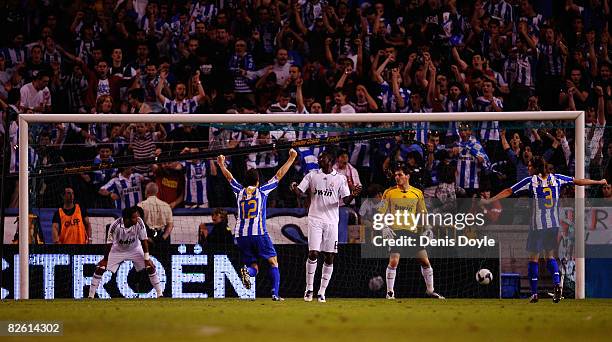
x=326, y=192
x=126, y=239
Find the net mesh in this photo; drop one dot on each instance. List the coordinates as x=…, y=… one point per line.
x=200, y=256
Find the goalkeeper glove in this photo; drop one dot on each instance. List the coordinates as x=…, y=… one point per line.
x=388, y=233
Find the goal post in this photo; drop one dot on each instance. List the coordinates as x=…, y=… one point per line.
x=26, y=119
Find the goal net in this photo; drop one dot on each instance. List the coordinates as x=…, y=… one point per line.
x=452, y=160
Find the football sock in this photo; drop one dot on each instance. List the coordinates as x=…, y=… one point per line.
x=325, y=277
x=311, y=268
x=252, y=271
x=275, y=279
x=532, y=273
x=390, y=278
x=154, y=279
x=95, y=281
x=553, y=268
x=427, y=273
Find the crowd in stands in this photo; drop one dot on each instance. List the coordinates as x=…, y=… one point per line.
x=99, y=57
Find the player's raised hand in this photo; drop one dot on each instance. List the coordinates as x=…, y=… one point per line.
x=221, y=160
x=292, y=153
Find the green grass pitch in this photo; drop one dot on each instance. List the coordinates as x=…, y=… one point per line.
x=337, y=320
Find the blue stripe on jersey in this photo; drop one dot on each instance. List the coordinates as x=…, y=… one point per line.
x=251, y=218
x=129, y=190
x=462, y=173
x=252, y=208
x=543, y=214
x=308, y=155
x=200, y=192
x=309, y=159
x=546, y=193
x=473, y=172
x=389, y=101
x=555, y=210
x=262, y=218
x=195, y=182
x=563, y=180
x=422, y=130
x=240, y=220
x=136, y=198
x=271, y=185
x=522, y=185
x=236, y=187
x=124, y=185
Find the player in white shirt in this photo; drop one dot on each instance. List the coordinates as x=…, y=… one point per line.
x=327, y=188
x=127, y=240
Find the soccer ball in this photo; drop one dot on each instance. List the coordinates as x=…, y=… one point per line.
x=376, y=283
x=484, y=277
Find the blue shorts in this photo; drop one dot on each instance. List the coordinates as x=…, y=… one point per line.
x=542, y=240
x=255, y=246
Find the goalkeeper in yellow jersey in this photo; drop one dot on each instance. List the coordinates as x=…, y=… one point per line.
x=405, y=202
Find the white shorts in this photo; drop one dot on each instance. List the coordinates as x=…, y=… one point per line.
x=117, y=256
x=322, y=236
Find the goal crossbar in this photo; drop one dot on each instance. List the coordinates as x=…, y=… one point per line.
x=25, y=119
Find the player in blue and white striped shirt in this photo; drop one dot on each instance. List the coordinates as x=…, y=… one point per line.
x=250, y=231
x=500, y=9
x=125, y=189
x=181, y=104
x=101, y=177
x=196, y=172
x=471, y=159
x=545, y=189
x=489, y=130
x=390, y=103
x=455, y=102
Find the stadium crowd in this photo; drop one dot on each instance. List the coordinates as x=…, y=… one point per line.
x=99, y=57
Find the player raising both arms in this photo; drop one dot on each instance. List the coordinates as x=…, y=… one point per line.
x=544, y=188
x=327, y=187
x=404, y=197
x=250, y=231
x=127, y=239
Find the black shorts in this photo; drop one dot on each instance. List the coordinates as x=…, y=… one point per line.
x=410, y=250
